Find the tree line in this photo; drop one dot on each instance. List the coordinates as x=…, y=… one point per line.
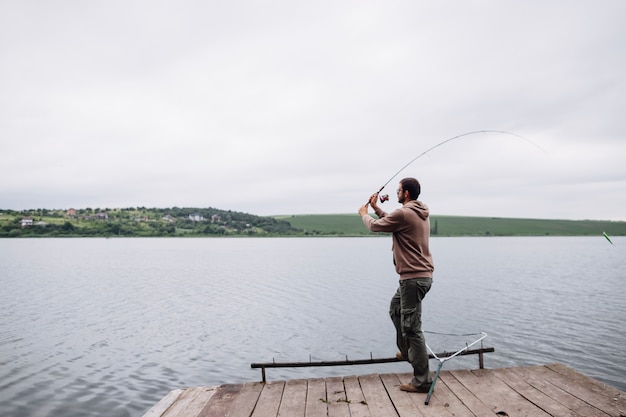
x=140, y=222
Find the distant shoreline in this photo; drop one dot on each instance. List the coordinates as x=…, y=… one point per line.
x=210, y=222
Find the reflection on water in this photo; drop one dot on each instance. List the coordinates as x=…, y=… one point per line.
x=108, y=326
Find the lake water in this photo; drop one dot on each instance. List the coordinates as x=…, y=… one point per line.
x=106, y=327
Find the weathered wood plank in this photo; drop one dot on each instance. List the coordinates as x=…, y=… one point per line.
x=316, y=398
x=402, y=401
x=336, y=398
x=293, y=403
x=542, y=391
x=468, y=398
x=191, y=402
x=449, y=400
x=500, y=397
x=221, y=401
x=532, y=394
x=435, y=407
x=166, y=402
x=354, y=395
x=531, y=376
x=269, y=400
x=602, y=396
x=376, y=396
x=246, y=401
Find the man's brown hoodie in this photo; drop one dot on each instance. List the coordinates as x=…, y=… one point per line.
x=410, y=228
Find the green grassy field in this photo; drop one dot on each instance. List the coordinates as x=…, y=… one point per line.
x=150, y=222
x=351, y=225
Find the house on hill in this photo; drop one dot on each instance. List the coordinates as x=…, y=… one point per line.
x=196, y=217
x=27, y=221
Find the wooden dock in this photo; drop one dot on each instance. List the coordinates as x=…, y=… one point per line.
x=549, y=390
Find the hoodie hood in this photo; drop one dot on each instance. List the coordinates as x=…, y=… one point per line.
x=418, y=207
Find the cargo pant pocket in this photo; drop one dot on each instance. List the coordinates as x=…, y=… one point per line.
x=410, y=321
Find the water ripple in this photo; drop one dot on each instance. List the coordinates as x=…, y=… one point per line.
x=107, y=327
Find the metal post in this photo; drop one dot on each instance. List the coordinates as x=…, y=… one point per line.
x=432, y=385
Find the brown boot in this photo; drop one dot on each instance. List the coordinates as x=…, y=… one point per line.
x=410, y=388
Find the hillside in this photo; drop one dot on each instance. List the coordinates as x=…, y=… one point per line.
x=139, y=222
x=212, y=222
x=351, y=225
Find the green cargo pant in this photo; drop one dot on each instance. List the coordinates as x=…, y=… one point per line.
x=406, y=313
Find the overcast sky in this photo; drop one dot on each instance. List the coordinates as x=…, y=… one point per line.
x=296, y=107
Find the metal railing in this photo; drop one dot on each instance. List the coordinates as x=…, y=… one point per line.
x=347, y=362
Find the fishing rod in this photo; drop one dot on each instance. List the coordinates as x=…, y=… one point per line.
x=385, y=197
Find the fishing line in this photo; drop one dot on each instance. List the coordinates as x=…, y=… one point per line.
x=386, y=197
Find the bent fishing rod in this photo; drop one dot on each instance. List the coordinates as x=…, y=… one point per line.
x=385, y=197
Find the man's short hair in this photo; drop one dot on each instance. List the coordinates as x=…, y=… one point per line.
x=412, y=186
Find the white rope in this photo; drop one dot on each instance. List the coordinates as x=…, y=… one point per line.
x=482, y=336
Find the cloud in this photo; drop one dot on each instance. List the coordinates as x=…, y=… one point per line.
x=300, y=107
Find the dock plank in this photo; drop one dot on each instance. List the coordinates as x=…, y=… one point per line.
x=316, y=398
x=221, y=401
x=533, y=377
x=376, y=396
x=435, y=408
x=402, y=401
x=191, y=402
x=354, y=394
x=269, y=400
x=532, y=394
x=293, y=403
x=166, y=402
x=449, y=400
x=464, y=395
x=610, y=400
x=336, y=398
x=501, y=397
x=246, y=401
x=552, y=390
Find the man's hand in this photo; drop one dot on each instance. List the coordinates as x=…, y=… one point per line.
x=374, y=201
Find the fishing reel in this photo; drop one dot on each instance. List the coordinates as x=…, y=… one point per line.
x=384, y=197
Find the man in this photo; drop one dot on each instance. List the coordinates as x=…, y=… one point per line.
x=410, y=228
